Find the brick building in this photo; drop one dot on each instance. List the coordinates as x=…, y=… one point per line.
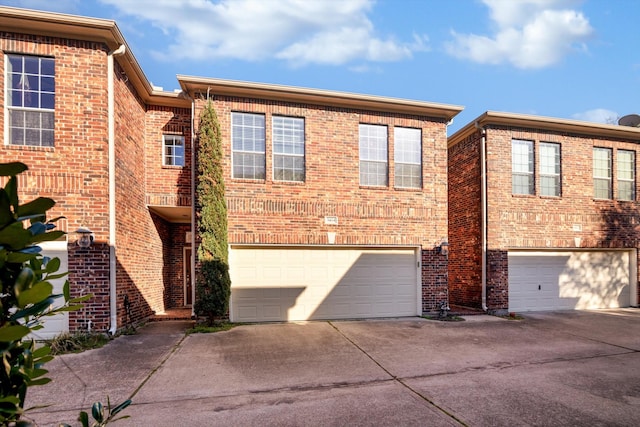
x=337, y=202
x=543, y=214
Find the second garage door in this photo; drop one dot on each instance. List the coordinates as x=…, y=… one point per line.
x=290, y=284
x=569, y=280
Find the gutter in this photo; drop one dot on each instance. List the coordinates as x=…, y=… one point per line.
x=113, y=301
x=483, y=209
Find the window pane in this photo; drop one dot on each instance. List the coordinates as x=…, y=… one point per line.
x=373, y=173
x=31, y=89
x=626, y=174
x=173, y=150
x=288, y=148
x=248, y=145
x=522, y=167
x=602, y=173
x=373, y=155
x=248, y=166
x=549, y=169
x=408, y=157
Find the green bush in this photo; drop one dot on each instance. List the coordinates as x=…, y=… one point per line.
x=213, y=292
x=27, y=298
x=213, y=285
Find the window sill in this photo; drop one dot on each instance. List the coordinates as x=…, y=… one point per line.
x=172, y=167
x=29, y=148
x=411, y=189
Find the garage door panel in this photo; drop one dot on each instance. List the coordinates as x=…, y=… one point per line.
x=58, y=324
x=327, y=283
x=569, y=280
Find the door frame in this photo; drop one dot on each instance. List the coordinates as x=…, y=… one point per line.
x=186, y=274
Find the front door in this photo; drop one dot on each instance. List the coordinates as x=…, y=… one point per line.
x=187, y=277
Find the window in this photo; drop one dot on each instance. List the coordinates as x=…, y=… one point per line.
x=407, y=154
x=30, y=90
x=248, y=145
x=601, y=173
x=549, y=169
x=522, y=167
x=288, y=149
x=173, y=146
x=373, y=155
x=626, y=175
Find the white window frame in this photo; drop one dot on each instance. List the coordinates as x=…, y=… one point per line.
x=522, y=166
x=374, y=155
x=252, y=134
x=602, y=174
x=550, y=169
x=407, y=155
x=626, y=174
x=288, y=142
x=170, y=142
x=33, y=87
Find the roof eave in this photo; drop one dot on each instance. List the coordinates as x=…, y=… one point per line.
x=27, y=21
x=546, y=123
x=192, y=85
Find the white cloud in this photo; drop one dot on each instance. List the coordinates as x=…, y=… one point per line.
x=298, y=31
x=598, y=115
x=529, y=34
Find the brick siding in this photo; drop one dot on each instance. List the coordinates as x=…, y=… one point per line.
x=272, y=212
x=574, y=220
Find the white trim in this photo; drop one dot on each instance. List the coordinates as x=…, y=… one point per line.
x=186, y=267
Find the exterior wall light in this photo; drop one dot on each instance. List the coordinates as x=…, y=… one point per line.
x=443, y=249
x=85, y=237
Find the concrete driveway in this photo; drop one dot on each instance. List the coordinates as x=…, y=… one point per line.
x=565, y=368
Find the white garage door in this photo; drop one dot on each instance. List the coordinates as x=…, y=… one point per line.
x=55, y=325
x=569, y=280
x=288, y=284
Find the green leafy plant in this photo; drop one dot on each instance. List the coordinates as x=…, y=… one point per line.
x=213, y=284
x=101, y=415
x=26, y=296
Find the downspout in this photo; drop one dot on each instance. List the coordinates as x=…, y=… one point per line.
x=113, y=300
x=483, y=208
x=193, y=208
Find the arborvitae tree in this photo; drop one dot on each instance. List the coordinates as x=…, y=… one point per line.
x=213, y=284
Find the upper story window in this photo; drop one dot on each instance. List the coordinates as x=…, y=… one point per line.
x=522, y=181
x=373, y=155
x=30, y=100
x=248, y=145
x=549, y=169
x=602, y=173
x=626, y=174
x=288, y=149
x=173, y=150
x=407, y=155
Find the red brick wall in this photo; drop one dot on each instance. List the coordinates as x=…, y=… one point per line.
x=271, y=212
x=74, y=171
x=167, y=185
x=465, y=223
x=139, y=248
x=522, y=221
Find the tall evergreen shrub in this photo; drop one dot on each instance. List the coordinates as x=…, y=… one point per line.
x=213, y=284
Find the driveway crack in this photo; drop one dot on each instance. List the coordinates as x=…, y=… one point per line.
x=397, y=379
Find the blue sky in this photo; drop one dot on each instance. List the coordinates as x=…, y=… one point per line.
x=575, y=59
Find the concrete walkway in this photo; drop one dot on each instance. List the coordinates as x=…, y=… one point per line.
x=565, y=368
